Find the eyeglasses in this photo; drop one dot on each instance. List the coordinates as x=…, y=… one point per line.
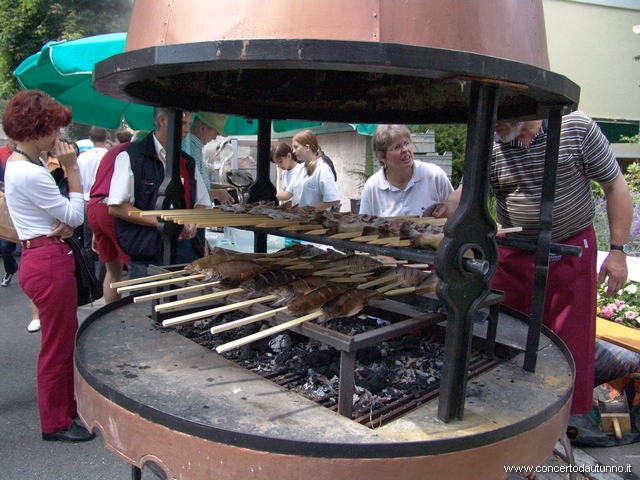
x=399, y=147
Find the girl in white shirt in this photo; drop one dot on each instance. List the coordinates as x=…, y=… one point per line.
x=318, y=183
x=286, y=161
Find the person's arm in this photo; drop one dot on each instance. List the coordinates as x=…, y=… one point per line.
x=445, y=209
x=284, y=196
x=619, y=214
x=122, y=211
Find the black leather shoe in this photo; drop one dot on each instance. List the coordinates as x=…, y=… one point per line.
x=75, y=433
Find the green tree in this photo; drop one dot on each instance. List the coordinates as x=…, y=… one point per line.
x=26, y=25
x=449, y=138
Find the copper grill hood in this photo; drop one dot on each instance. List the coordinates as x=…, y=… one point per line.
x=367, y=61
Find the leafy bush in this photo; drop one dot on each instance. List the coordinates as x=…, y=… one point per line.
x=624, y=308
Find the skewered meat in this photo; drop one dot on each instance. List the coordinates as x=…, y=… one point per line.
x=347, y=304
x=289, y=291
x=353, y=263
x=233, y=272
x=413, y=277
x=261, y=283
x=314, y=299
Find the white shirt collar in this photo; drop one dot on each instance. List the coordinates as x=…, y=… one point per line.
x=160, y=151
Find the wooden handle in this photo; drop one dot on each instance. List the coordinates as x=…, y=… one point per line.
x=215, y=311
x=245, y=321
x=163, y=307
x=617, y=429
x=268, y=332
x=133, y=281
x=160, y=283
x=168, y=293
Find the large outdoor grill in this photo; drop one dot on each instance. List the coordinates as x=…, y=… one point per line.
x=162, y=399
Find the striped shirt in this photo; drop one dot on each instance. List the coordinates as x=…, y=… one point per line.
x=517, y=175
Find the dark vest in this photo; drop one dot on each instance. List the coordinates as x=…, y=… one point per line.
x=143, y=243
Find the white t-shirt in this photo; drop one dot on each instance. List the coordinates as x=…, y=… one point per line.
x=121, y=189
x=319, y=187
x=292, y=181
x=428, y=185
x=88, y=166
x=35, y=202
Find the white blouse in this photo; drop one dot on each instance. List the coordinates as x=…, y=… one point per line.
x=35, y=202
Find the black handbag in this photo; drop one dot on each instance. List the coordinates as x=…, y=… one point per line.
x=89, y=288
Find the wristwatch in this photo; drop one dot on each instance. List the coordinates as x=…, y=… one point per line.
x=623, y=248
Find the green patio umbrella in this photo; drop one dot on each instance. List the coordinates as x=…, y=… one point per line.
x=64, y=70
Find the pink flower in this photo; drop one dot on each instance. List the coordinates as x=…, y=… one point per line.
x=619, y=303
x=630, y=315
x=607, y=312
x=619, y=320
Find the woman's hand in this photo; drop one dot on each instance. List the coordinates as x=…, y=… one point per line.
x=61, y=230
x=66, y=154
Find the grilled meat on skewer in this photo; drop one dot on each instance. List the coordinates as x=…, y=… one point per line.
x=347, y=304
x=353, y=263
x=233, y=272
x=314, y=299
x=289, y=291
x=413, y=277
x=261, y=283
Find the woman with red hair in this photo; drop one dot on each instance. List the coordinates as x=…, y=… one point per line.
x=42, y=216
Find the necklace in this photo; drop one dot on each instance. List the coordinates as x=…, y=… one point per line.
x=28, y=157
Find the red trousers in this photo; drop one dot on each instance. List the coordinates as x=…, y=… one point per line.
x=570, y=304
x=47, y=277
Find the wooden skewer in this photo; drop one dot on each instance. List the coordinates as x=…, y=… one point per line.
x=202, y=298
x=382, y=241
x=301, y=228
x=320, y=231
x=386, y=288
x=214, y=311
x=276, y=224
x=268, y=332
x=430, y=220
x=379, y=281
x=145, y=279
x=168, y=293
x=301, y=266
x=400, y=291
x=159, y=213
x=245, y=321
x=365, y=239
x=400, y=243
x=347, y=235
x=418, y=265
x=160, y=283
